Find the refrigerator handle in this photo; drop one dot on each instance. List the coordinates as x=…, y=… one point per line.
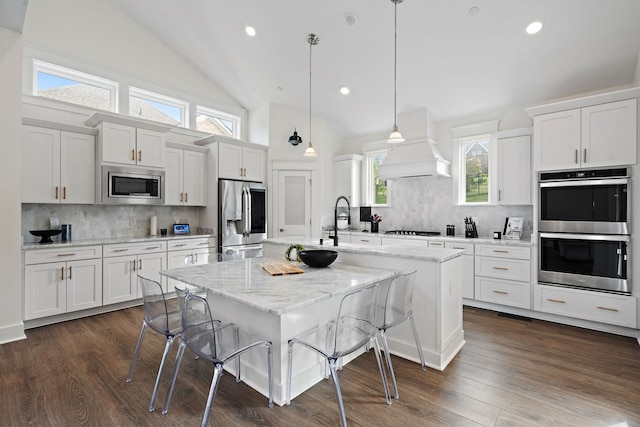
x=247, y=210
x=249, y=225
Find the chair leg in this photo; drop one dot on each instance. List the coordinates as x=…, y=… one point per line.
x=270, y=373
x=418, y=345
x=167, y=347
x=381, y=369
x=334, y=375
x=174, y=375
x=143, y=330
x=387, y=356
x=289, y=369
x=236, y=340
x=217, y=373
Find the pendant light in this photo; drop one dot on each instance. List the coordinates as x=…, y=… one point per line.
x=295, y=138
x=313, y=40
x=396, y=136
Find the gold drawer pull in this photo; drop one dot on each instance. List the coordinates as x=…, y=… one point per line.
x=70, y=273
x=607, y=308
x=457, y=247
x=501, y=268
x=120, y=250
x=151, y=247
x=500, y=251
x=203, y=243
x=180, y=244
x=133, y=155
x=61, y=273
x=501, y=292
x=71, y=254
x=364, y=240
x=436, y=244
x=555, y=300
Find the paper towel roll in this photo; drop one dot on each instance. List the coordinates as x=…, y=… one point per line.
x=154, y=226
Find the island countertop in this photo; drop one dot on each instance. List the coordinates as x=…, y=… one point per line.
x=245, y=281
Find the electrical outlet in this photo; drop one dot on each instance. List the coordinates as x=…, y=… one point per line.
x=132, y=221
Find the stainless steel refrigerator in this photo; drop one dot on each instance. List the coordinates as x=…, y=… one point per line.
x=242, y=218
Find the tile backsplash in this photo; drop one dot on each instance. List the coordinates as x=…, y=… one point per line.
x=426, y=203
x=104, y=221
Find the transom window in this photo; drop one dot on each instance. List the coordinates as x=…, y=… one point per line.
x=217, y=122
x=375, y=188
x=64, y=84
x=159, y=108
x=474, y=169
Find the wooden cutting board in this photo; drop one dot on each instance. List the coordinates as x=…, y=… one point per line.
x=277, y=268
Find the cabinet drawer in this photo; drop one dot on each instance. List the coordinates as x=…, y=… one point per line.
x=39, y=256
x=503, y=268
x=181, y=244
x=505, y=292
x=134, y=248
x=596, y=306
x=504, y=251
x=467, y=247
x=390, y=241
x=365, y=240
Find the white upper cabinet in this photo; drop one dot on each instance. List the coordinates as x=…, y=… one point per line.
x=57, y=166
x=592, y=136
x=347, y=177
x=131, y=146
x=514, y=170
x=185, y=177
x=239, y=162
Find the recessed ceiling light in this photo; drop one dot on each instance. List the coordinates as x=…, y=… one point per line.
x=474, y=11
x=534, y=27
x=350, y=20
x=250, y=30
x=344, y=90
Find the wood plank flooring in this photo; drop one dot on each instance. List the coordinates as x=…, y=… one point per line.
x=509, y=373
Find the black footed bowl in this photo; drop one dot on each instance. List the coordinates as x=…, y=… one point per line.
x=45, y=234
x=318, y=257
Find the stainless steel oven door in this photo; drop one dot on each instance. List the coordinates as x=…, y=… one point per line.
x=588, y=206
x=585, y=261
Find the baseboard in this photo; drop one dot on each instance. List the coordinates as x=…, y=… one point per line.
x=12, y=333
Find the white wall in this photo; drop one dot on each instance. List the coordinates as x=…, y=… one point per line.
x=11, y=327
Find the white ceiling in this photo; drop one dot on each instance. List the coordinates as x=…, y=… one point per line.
x=450, y=61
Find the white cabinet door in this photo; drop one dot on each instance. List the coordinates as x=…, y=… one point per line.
x=253, y=163
x=514, y=170
x=118, y=143
x=45, y=292
x=150, y=146
x=609, y=134
x=84, y=284
x=40, y=165
x=149, y=266
x=173, y=177
x=77, y=168
x=194, y=178
x=117, y=285
x=230, y=161
x=557, y=140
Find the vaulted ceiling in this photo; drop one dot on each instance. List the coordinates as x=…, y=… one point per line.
x=457, y=58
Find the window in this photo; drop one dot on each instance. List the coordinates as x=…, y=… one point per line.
x=159, y=108
x=474, y=169
x=217, y=122
x=375, y=188
x=63, y=84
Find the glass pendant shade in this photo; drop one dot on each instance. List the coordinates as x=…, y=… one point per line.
x=395, y=137
x=310, y=151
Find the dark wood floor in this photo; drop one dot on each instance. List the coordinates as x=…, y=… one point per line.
x=509, y=373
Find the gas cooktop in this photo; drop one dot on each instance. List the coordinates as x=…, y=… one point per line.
x=413, y=233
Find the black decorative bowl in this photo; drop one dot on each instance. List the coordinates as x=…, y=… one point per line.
x=318, y=257
x=45, y=234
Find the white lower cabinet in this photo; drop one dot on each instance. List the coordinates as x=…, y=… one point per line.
x=189, y=252
x=467, y=266
x=123, y=263
x=503, y=275
x=364, y=240
x=73, y=282
x=613, y=309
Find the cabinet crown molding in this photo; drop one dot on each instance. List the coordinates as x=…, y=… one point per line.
x=98, y=117
x=583, y=101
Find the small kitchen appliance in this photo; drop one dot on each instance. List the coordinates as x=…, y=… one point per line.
x=470, y=230
x=66, y=233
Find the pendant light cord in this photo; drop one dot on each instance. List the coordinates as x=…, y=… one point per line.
x=311, y=43
x=395, y=64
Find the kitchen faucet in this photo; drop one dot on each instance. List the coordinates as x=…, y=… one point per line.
x=335, y=218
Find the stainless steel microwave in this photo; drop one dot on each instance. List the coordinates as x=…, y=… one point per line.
x=131, y=186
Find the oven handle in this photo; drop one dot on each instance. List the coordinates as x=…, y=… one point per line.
x=613, y=181
x=609, y=237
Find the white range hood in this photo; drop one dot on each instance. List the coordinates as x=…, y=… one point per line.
x=414, y=158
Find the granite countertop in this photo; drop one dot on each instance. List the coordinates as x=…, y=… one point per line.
x=441, y=238
x=112, y=240
x=406, y=252
x=246, y=282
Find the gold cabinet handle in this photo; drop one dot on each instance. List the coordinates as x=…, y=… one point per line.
x=70, y=273
x=140, y=155
x=500, y=251
x=435, y=244
x=240, y=171
x=501, y=268
x=576, y=159
x=139, y=264
x=181, y=197
x=133, y=263
x=133, y=155
x=584, y=156
x=501, y=292
x=607, y=308
x=56, y=192
x=556, y=300
x=61, y=273
x=457, y=247
x=180, y=244
x=499, y=192
x=148, y=248
x=69, y=254
x=186, y=197
x=364, y=240
x=120, y=250
x=64, y=193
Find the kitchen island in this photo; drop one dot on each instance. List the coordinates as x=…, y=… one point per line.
x=278, y=308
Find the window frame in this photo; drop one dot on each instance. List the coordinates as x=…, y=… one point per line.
x=212, y=112
x=368, y=177
x=461, y=167
x=183, y=106
x=78, y=76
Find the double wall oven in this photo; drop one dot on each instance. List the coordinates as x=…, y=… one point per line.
x=584, y=229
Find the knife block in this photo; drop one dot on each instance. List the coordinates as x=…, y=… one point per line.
x=470, y=230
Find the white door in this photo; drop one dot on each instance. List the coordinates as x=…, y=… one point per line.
x=293, y=216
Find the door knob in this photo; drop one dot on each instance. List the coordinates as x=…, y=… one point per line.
x=281, y=230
